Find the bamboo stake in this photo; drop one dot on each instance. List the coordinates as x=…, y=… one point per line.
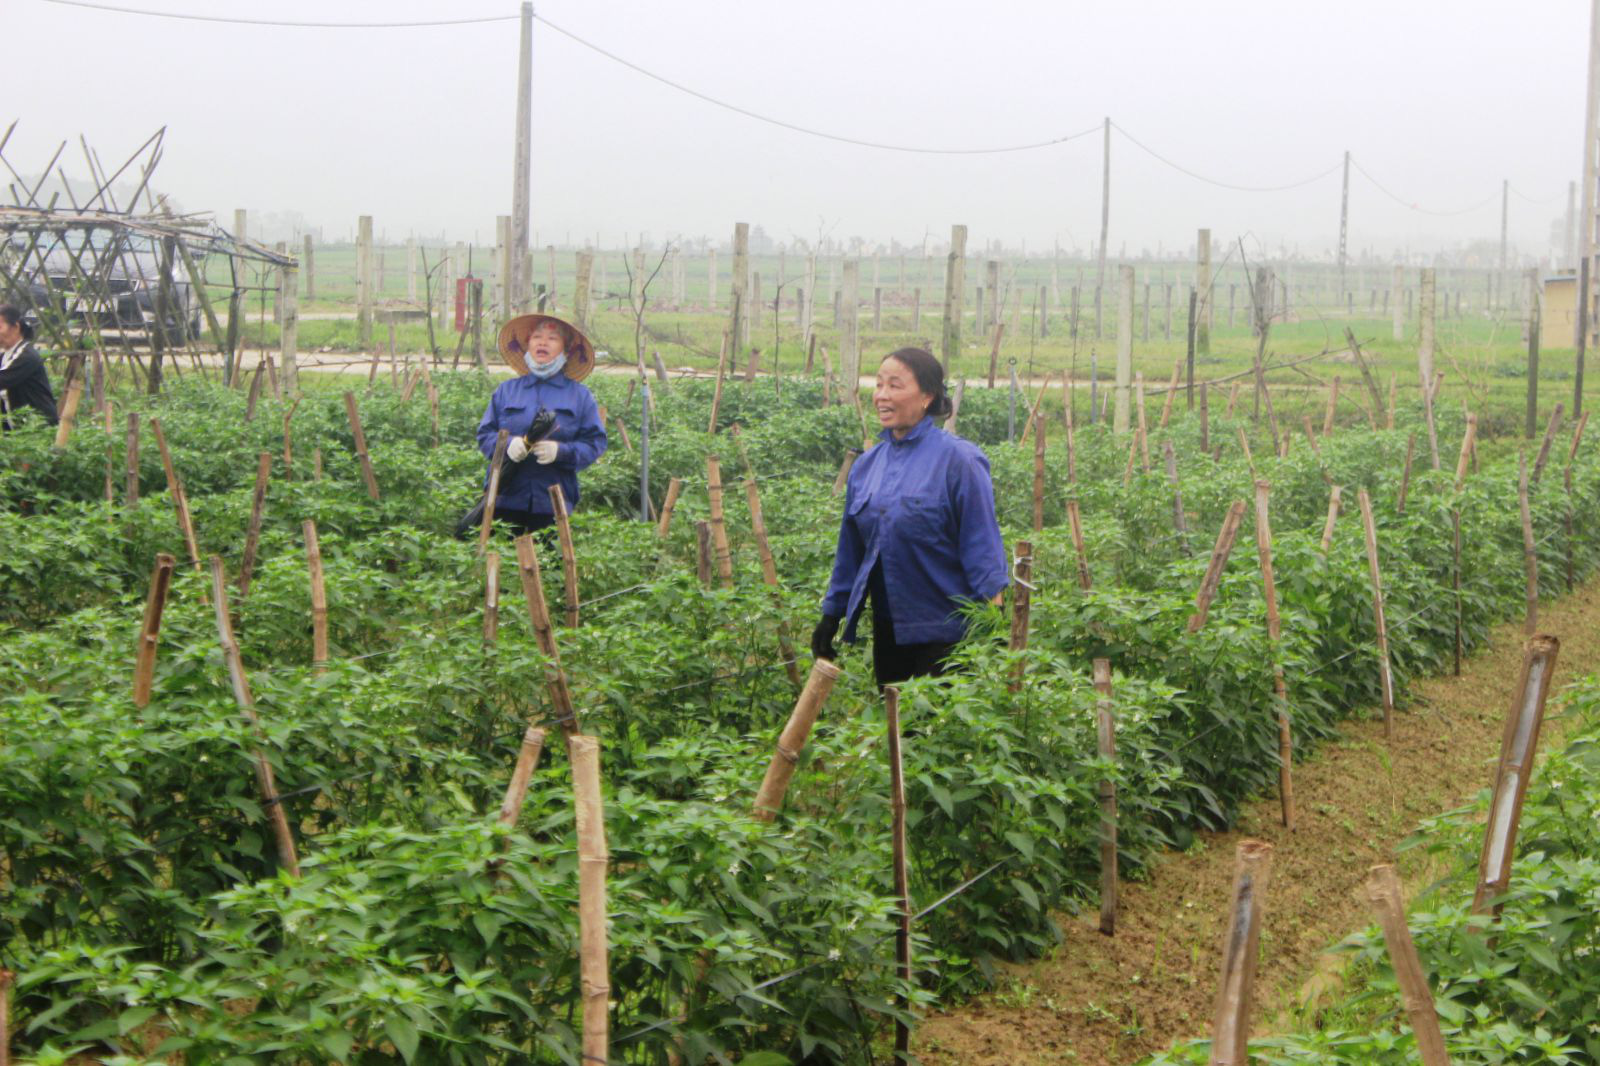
x=1530, y=555
x=241, y=695
x=1230, y=1032
x=6, y=979
x=491, y=496
x=180, y=502
x=1138, y=396
x=1133, y=453
x=316, y=464
x=491, y=597
x=902, y=875
x=319, y=598
x=792, y=741
x=69, y=413
x=361, y=444
x=150, y=633
x=111, y=462
x=1233, y=399
x=1033, y=411
x=1389, y=414
x=130, y=498
x=1172, y=391
x=1433, y=429
x=1038, y=475
x=955, y=407
x=702, y=535
x=1106, y=729
x=1549, y=438
x=665, y=521
x=1274, y=634
x=254, y=394
x=569, y=557
x=1384, y=893
x=769, y=574
x=555, y=678
x=1075, y=523
x=1244, y=446
x=1205, y=417
x=843, y=477
x=1180, y=522
x=1455, y=526
x=593, y=858
x=716, y=395
x=1022, y=572
x=1311, y=438
x=252, y=536
x=1385, y=676
x=1577, y=439
x=1333, y=402
x=1518, y=746
x=1219, y=562
x=719, y=527
x=288, y=440
x=1334, y=495
x=517, y=789
x=1465, y=458
x=1405, y=477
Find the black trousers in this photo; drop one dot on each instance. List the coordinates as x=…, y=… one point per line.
x=524, y=521
x=893, y=663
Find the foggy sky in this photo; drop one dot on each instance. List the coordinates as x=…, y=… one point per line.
x=1439, y=101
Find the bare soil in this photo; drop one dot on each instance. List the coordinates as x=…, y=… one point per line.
x=1100, y=1000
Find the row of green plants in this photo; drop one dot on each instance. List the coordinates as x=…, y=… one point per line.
x=144, y=909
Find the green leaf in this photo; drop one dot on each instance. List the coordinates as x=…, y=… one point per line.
x=402, y=1034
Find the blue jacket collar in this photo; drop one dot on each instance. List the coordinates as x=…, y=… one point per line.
x=916, y=433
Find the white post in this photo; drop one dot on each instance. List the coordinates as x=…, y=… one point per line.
x=1124, y=348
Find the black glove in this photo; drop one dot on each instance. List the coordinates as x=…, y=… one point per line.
x=822, y=637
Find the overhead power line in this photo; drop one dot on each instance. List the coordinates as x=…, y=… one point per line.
x=186, y=17
x=1224, y=184
x=1491, y=198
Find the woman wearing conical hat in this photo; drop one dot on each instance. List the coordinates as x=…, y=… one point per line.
x=550, y=358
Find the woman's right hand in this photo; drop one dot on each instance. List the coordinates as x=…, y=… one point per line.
x=822, y=637
x=516, y=449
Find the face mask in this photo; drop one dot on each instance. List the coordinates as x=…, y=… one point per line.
x=548, y=370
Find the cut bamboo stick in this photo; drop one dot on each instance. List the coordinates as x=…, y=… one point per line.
x=1205, y=417
x=1388, y=422
x=1549, y=438
x=769, y=574
x=1274, y=635
x=555, y=678
x=1230, y=1031
x=702, y=539
x=1405, y=476
x=1428, y=394
x=319, y=598
x=664, y=523
x=288, y=440
x=1038, y=475
x=1465, y=459
x=569, y=557
x=1388, y=903
x=1385, y=676
x=354, y=415
x=517, y=790
x=491, y=495
x=69, y=412
x=1233, y=400
x=130, y=497
x=716, y=395
x=6, y=980
x=180, y=502
x=1172, y=392
x=1022, y=574
x=150, y=633
x=247, y=706
x=491, y=597
x=593, y=859
x=1106, y=730
x=843, y=477
x=719, y=526
x=902, y=875
x=1244, y=446
x=792, y=741
x=1333, y=403
x=252, y=536
x=1219, y=562
x=1530, y=553
x=1075, y=524
x=316, y=464
x=1334, y=495
x=1518, y=746
x=1180, y=522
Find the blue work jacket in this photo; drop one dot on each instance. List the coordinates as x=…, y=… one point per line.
x=922, y=508
x=525, y=486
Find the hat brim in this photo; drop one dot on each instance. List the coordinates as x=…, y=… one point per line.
x=513, y=346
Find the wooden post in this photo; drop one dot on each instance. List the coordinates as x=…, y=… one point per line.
x=491, y=495
x=1429, y=389
x=1530, y=556
x=1405, y=476
x=319, y=598
x=6, y=979
x=719, y=527
x=593, y=859
x=1038, y=474
x=1172, y=392
x=1180, y=522
x=130, y=497
x=1549, y=437
x=491, y=597
x=521, y=773
x=664, y=523
x=994, y=351
x=1219, y=562
x=69, y=412
x=954, y=296
x=716, y=392
x=1124, y=381
x=361, y=444
x=252, y=536
x=1518, y=746
x=1467, y=442
x=902, y=874
x=1075, y=524
x=555, y=678
x=180, y=502
x=1022, y=572
x=1455, y=526
x=1205, y=418
x=1244, y=446
x=1385, y=676
x=1274, y=634
x=1106, y=729
x=150, y=633
x=364, y=293
x=843, y=477
x=241, y=695
x=1384, y=893
x=316, y=464
x=1333, y=516
x=288, y=440
x=569, y=558
x=769, y=574
x=702, y=536
x=1230, y=1032
x=1333, y=403
x=792, y=741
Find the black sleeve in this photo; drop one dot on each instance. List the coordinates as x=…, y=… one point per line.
x=27, y=384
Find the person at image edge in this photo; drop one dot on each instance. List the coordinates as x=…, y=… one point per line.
x=23, y=379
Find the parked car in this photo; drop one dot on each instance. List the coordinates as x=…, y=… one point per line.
x=128, y=301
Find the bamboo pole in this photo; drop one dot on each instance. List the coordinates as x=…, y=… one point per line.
x=1022, y=573
x=319, y=598
x=1333, y=403
x=716, y=395
x=1233, y=400
x=1467, y=441
x=1405, y=476
x=150, y=632
x=1038, y=475
x=1388, y=422
x=1244, y=446
x=1075, y=523
x=593, y=858
x=569, y=557
x=252, y=536
x=1106, y=729
x=1205, y=417
x=702, y=537
x=241, y=695
x=1334, y=496
x=354, y=415
x=769, y=574
x=180, y=502
x=1549, y=438
x=1518, y=746
x=719, y=526
x=69, y=412
x=254, y=395
x=1530, y=554
x=555, y=678
x=1455, y=528
x=902, y=875
x=517, y=789
x=1428, y=393
x=664, y=523
x=491, y=597
x=792, y=741
x=130, y=497
x=1180, y=522
x=491, y=495
x=1384, y=893
x=1274, y=635
x=111, y=461
x=288, y=440
x=843, y=477
x=316, y=464
x=1385, y=675
x=6, y=980
x=1230, y=1031
x=1219, y=562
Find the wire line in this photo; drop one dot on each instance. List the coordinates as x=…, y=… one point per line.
x=1224, y=184
x=182, y=16
x=1417, y=207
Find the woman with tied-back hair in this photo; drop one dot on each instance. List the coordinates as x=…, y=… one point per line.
x=919, y=535
x=23, y=380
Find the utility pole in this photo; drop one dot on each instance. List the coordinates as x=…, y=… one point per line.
x=1586, y=220
x=1569, y=242
x=1105, y=212
x=518, y=283
x=1344, y=222
x=1505, y=207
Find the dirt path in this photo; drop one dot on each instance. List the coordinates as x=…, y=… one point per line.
x=1098, y=1000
